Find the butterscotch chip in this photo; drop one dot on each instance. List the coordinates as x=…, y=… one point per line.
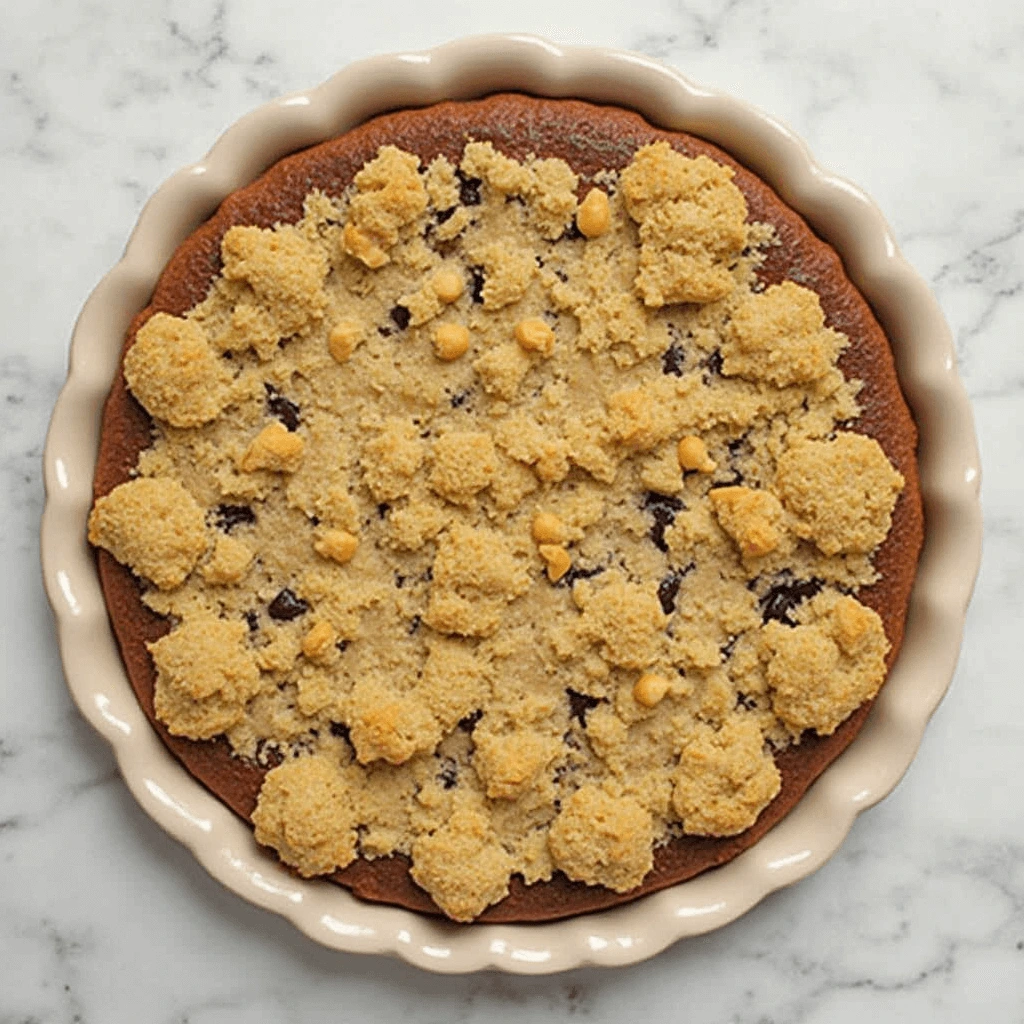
x=345, y=336
x=274, y=448
x=547, y=528
x=172, y=370
x=558, y=560
x=451, y=341
x=154, y=526
x=594, y=215
x=448, y=285
x=338, y=545
x=602, y=840
x=650, y=689
x=319, y=641
x=535, y=336
x=693, y=455
x=305, y=811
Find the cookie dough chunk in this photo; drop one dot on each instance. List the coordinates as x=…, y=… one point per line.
x=453, y=684
x=602, y=840
x=752, y=518
x=388, y=726
x=625, y=619
x=206, y=673
x=475, y=575
x=391, y=459
x=305, y=812
x=390, y=195
x=462, y=865
x=175, y=374
x=779, y=335
x=152, y=525
x=725, y=779
x=283, y=268
x=841, y=493
x=692, y=225
x=464, y=464
x=824, y=668
x=509, y=763
x=229, y=562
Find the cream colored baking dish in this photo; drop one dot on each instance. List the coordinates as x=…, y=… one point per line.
x=843, y=215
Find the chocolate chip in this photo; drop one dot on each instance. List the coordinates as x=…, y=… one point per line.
x=579, y=572
x=414, y=624
x=252, y=620
x=341, y=730
x=571, y=233
x=672, y=361
x=783, y=597
x=287, y=606
x=476, y=288
x=664, y=508
x=745, y=702
x=468, y=724
x=442, y=215
x=399, y=580
x=712, y=366
x=385, y=332
x=401, y=316
x=469, y=189
x=448, y=776
x=342, y=646
x=283, y=408
x=458, y=400
x=668, y=588
x=580, y=704
x=230, y=516
x=383, y=509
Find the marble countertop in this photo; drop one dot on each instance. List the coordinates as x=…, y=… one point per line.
x=920, y=916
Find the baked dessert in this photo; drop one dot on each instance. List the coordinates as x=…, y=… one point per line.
x=508, y=507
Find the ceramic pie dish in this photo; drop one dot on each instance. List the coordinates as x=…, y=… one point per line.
x=949, y=484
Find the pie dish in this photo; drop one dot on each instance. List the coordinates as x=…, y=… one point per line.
x=527, y=47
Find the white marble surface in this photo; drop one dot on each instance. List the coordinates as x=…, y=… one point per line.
x=920, y=916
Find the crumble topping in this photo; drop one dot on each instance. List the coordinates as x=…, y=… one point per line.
x=504, y=518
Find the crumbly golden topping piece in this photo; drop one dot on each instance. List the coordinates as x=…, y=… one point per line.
x=154, y=526
x=840, y=492
x=779, y=335
x=205, y=674
x=305, y=812
x=172, y=370
x=822, y=669
x=602, y=839
x=496, y=536
x=726, y=777
x=462, y=865
x=693, y=225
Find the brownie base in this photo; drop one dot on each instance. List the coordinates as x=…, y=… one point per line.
x=590, y=138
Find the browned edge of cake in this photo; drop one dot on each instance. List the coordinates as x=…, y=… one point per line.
x=590, y=138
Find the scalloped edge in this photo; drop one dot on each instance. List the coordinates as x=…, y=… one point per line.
x=950, y=479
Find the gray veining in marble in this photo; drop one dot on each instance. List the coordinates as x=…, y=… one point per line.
x=920, y=917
